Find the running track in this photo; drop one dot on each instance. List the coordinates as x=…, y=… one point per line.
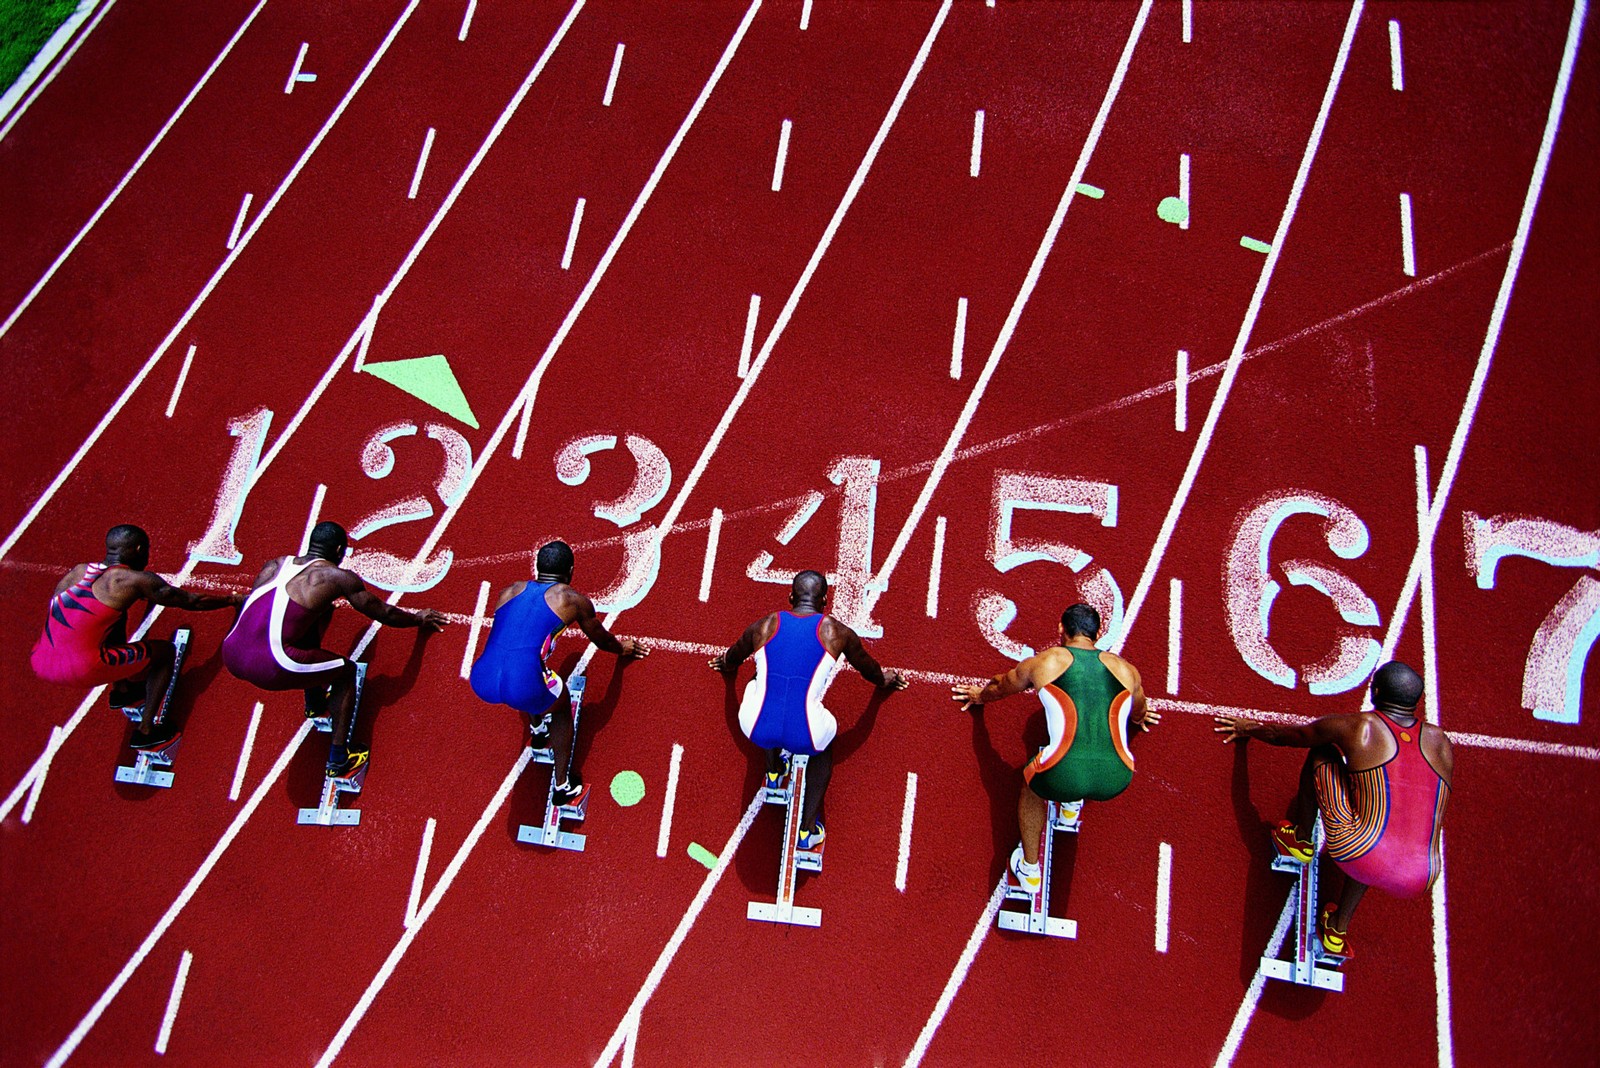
x=1323, y=374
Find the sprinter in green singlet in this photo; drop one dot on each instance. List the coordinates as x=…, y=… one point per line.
x=1090, y=699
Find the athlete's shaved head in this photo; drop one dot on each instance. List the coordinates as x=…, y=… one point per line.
x=1081, y=620
x=329, y=541
x=808, y=586
x=1396, y=685
x=128, y=544
x=555, y=558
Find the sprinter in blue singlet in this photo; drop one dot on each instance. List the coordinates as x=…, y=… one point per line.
x=514, y=669
x=782, y=707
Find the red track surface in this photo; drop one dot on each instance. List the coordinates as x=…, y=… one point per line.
x=535, y=957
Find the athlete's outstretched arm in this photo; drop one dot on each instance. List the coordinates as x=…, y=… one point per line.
x=752, y=639
x=1336, y=730
x=596, y=631
x=975, y=695
x=864, y=662
x=153, y=588
x=352, y=589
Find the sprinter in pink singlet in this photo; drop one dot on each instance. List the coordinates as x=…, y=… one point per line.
x=85, y=636
x=1380, y=779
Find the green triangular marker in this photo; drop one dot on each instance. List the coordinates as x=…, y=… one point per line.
x=429, y=379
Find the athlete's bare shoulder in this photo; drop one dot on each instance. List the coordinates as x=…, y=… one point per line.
x=75, y=575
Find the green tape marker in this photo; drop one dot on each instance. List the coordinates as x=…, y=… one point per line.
x=1173, y=210
x=627, y=788
x=1255, y=246
x=702, y=854
x=1091, y=190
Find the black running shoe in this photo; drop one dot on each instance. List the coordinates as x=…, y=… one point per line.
x=571, y=796
x=353, y=771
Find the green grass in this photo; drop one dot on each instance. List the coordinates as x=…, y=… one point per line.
x=25, y=25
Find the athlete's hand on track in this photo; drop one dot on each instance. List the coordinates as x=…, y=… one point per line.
x=967, y=696
x=633, y=648
x=718, y=663
x=893, y=680
x=1150, y=719
x=1233, y=728
x=431, y=622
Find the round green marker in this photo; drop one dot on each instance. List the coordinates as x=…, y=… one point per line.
x=1173, y=210
x=627, y=788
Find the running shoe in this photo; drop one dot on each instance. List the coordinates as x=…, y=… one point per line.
x=1335, y=944
x=811, y=841
x=539, y=732
x=1027, y=876
x=1289, y=844
x=317, y=703
x=570, y=796
x=779, y=780
x=352, y=771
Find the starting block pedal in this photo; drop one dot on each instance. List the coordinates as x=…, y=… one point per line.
x=792, y=859
x=1059, y=816
x=147, y=763
x=549, y=833
x=328, y=813
x=1310, y=964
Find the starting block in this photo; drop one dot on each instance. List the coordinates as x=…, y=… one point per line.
x=147, y=763
x=328, y=813
x=793, y=860
x=549, y=833
x=1064, y=816
x=1311, y=965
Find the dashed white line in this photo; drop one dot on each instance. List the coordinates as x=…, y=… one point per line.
x=177, y=387
x=805, y=15
x=294, y=73
x=466, y=20
x=958, y=344
x=1408, y=252
x=421, y=871
x=1183, y=190
x=1180, y=393
x=611, y=82
x=1174, y=634
x=244, y=752
x=747, y=346
x=572, y=235
x=669, y=800
x=713, y=535
x=907, y=814
x=1188, y=21
x=478, y=611
x=976, y=163
x=935, y=568
x=238, y=221
x=1163, y=895
x=1397, y=79
x=170, y=1017
x=422, y=162
x=783, y=155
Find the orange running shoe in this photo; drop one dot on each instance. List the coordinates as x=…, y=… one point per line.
x=1289, y=844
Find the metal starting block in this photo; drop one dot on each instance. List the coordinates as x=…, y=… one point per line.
x=792, y=859
x=1064, y=816
x=145, y=770
x=328, y=813
x=1310, y=964
x=549, y=833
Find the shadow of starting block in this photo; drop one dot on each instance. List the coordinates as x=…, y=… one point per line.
x=793, y=860
x=549, y=833
x=1306, y=965
x=147, y=763
x=1037, y=920
x=328, y=813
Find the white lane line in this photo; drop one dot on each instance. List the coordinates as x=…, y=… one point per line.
x=1241, y=343
x=42, y=770
x=522, y=431
x=244, y=752
x=958, y=344
x=1469, y=408
x=422, y=162
x=1252, y=995
x=294, y=74
x=238, y=221
x=421, y=871
x=631, y=1042
x=935, y=568
x=907, y=814
x=1408, y=252
x=1188, y=21
x=1180, y=393
x=969, y=953
x=1183, y=189
x=783, y=155
x=805, y=15
x=713, y=535
x=976, y=163
x=669, y=800
x=1163, y=895
x=611, y=81
x=1430, y=674
x=572, y=235
x=466, y=20
x=747, y=346
x=313, y=517
x=1396, y=78
x=171, y=1015
x=149, y=149
x=368, y=327
x=177, y=387
x=471, y=651
x=171, y=915
x=44, y=58
x=1174, y=634
x=216, y=277
x=630, y=1019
